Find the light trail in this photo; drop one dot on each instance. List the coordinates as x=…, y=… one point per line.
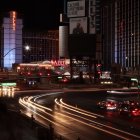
x=98, y=128
x=74, y=109
x=95, y=121
x=47, y=94
x=122, y=92
x=81, y=110
x=27, y=101
x=25, y=104
x=46, y=108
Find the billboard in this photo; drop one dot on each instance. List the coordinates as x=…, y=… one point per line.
x=78, y=25
x=76, y=8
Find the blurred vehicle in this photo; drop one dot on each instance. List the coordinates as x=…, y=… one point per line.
x=108, y=105
x=131, y=102
x=129, y=110
x=62, y=79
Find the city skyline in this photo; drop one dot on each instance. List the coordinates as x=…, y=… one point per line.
x=38, y=15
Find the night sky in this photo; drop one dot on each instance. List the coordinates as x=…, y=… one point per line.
x=37, y=14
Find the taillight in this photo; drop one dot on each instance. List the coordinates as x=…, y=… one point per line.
x=28, y=73
x=40, y=74
x=133, y=111
x=108, y=104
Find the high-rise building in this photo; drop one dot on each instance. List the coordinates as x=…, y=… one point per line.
x=14, y=41
x=11, y=40
x=43, y=45
x=108, y=33
x=122, y=35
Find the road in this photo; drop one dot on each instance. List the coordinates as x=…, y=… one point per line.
x=74, y=114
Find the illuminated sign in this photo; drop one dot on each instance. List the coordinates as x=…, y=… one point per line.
x=13, y=19
x=76, y=24
x=8, y=84
x=58, y=63
x=76, y=8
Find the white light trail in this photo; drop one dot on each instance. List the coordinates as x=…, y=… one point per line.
x=27, y=101
x=81, y=110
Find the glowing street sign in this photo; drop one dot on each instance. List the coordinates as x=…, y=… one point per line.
x=8, y=84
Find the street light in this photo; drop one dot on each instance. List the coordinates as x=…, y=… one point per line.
x=26, y=56
x=27, y=47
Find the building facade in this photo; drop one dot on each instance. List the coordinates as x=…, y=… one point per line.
x=11, y=40
x=122, y=38
x=84, y=40
x=42, y=46
x=108, y=32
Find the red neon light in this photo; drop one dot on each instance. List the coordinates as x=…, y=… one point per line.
x=58, y=63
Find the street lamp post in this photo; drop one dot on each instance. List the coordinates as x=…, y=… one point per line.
x=27, y=47
x=8, y=52
x=26, y=57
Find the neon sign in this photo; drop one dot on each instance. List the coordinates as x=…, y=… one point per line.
x=8, y=84
x=13, y=18
x=58, y=62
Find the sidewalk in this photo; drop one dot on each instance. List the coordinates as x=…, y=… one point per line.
x=16, y=126
x=13, y=126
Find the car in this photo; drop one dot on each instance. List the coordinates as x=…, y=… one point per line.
x=129, y=110
x=131, y=102
x=108, y=105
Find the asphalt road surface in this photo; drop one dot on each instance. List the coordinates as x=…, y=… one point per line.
x=75, y=114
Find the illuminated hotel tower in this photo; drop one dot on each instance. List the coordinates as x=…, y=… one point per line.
x=127, y=33
x=11, y=40
x=121, y=34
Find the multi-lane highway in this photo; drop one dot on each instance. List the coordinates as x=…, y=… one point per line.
x=74, y=114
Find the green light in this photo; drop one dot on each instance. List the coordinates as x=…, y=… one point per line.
x=134, y=79
x=8, y=84
x=59, y=77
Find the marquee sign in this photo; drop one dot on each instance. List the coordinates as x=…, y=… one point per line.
x=76, y=8
x=13, y=19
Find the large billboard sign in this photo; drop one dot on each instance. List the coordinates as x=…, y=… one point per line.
x=78, y=25
x=76, y=8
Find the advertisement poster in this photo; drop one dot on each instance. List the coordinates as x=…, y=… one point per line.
x=76, y=8
x=78, y=25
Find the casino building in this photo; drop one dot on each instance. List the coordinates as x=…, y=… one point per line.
x=14, y=40
x=43, y=46
x=10, y=40
x=121, y=34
